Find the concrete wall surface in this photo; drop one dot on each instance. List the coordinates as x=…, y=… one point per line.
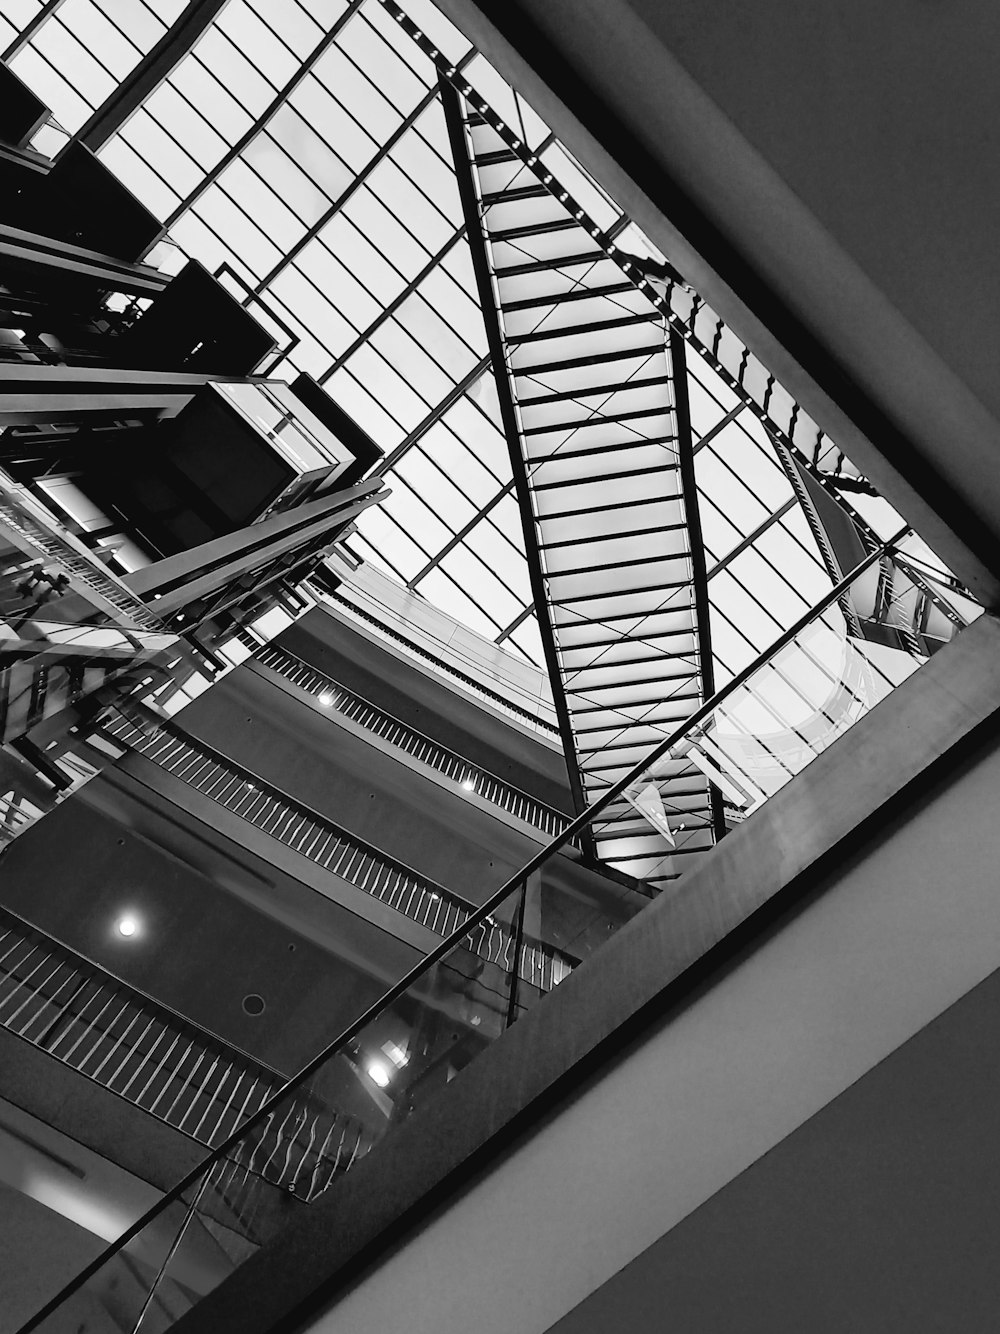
x=199, y=949
x=393, y=806
x=892, y=938
x=878, y=1214
x=397, y=805
x=41, y=1251
x=424, y=699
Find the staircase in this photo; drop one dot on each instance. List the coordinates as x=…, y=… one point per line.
x=593, y=395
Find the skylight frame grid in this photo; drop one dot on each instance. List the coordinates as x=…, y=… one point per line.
x=381, y=33
x=458, y=588
x=18, y=18
x=514, y=569
x=195, y=60
x=205, y=216
x=91, y=32
x=279, y=19
x=480, y=517
x=359, y=180
x=200, y=215
x=478, y=512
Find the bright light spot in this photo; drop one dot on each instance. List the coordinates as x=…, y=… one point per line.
x=127, y=926
x=326, y=699
x=468, y=785
x=104, y=1218
x=396, y=1054
x=378, y=1073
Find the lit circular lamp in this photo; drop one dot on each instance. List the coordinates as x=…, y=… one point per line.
x=378, y=1073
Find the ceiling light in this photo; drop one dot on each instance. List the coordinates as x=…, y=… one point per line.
x=326, y=699
x=378, y=1074
x=127, y=926
x=468, y=784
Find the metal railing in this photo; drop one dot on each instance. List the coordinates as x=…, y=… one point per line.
x=448, y=983
x=88, y=572
x=492, y=697
x=16, y=815
x=101, y=1027
x=323, y=842
x=473, y=777
x=19, y=811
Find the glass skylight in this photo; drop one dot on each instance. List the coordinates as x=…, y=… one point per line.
x=302, y=152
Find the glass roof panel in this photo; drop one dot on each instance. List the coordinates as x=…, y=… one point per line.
x=15, y=17
x=304, y=147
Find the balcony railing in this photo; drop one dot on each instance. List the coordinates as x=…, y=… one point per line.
x=19, y=810
x=753, y=735
x=88, y=571
x=331, y=694
x=325, y=843
x=99, y=1026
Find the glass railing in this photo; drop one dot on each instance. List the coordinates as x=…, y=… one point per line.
x=761, y=731
x=470, y=777
x=763, y=727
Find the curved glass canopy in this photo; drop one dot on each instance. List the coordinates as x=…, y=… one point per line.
x=588, y=468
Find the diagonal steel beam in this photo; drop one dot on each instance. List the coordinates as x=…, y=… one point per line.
x=28, y=31
x=519, y=619
x=657, y=288
x=692, y=514
x=152, y=69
